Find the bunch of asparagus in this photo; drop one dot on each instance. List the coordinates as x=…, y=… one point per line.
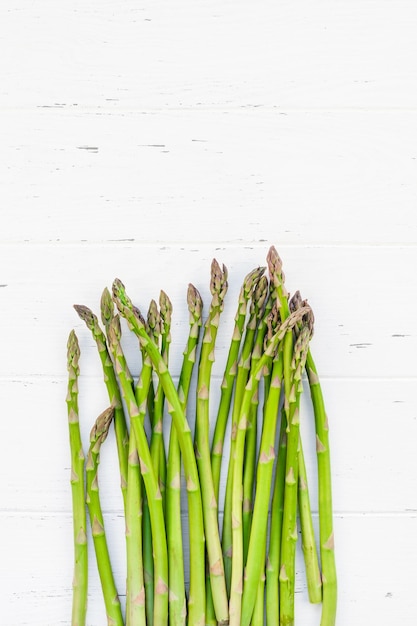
x=241, y=563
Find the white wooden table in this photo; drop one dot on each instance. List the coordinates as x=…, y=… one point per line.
x=141, y=139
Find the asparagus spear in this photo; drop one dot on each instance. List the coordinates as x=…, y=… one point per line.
x=229, y=377
x=260, y=296
x=328, y=564
x=153, y=493
x=242, y=375
x=196, y=604
x=98, y=435
x=218, y=288
x=257, y=544
x=314, y=579
x=80, y=577
x=120, y=426
x=274, y=553
x=177, y=596
x=308, y=541
x=289, y=524
x=135, y=589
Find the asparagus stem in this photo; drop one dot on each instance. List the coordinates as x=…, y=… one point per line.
x=242, y=375
x=259, y=610
x=229, y=377
x=80, y=574
x=249, y=470
x=144, y=395
x=328, y=565
x=314, y=583
x=177, y=597
x=257, y=545
x=120, y=426
x=277, y=509
x=327, y=558
x=153, y=493
x=218, y=288
x=197, y=600
x=135, y=589
x=289, y=524
x=98, y=435
x=156, y=445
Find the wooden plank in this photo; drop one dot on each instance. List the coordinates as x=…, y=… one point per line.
x=89, y=54
x=193, y=177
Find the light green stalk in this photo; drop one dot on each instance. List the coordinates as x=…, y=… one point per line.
x=135, y=589
x=229, y=377
x=79, y=516
x=308, y=541
x=153, y=493
x=236, y=584
x=218, y=288
x=289, y=524
x=120, y=426
x=313, y=575
x=98, y=435
x=249, y=469
x=259, y=610
x=157, y=441
x=177, y=595
x=145, y=398
x=243, y=370
x=197, y=600
x=327, y=558
x=257, y=545
x=274, y=549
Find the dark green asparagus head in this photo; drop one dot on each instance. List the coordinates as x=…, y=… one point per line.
x=73, y=354
x=218, y=284
x=154, y=322
x=89, y=318
x=106, y=307
x=276, y=275
x=165, y=308
x=195, y=305
x=101, y=428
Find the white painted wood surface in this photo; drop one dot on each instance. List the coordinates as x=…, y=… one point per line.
x=140, y=140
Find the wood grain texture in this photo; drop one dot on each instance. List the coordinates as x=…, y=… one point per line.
x=140, y=140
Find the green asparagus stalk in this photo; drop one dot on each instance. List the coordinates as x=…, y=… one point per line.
x=153, y=493
x=327, y=557
x=308, y=541
x=229, y=377
x=135, y=589
x=277, y=509
x=157, y=442
x=249, y=471
x=314, y=578
x=259, y=610
x=144, y=395
x=197, y=600
x=218, y=288
x=257, y=544
x=80, y=575
x=177, y=595
x=98, y=435
x=242, y=375
x=289, y=524
x=120, y=426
